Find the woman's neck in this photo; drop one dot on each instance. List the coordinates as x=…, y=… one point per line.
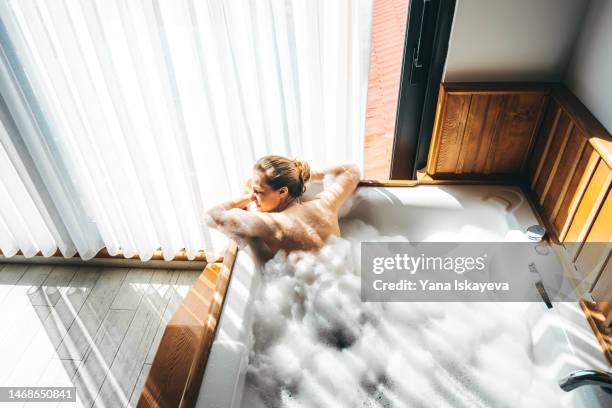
x=289, y=202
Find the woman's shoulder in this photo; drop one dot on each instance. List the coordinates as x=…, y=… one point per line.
x=315, y=209
x=316, y=203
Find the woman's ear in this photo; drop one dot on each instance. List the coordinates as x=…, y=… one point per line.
x=283, y=191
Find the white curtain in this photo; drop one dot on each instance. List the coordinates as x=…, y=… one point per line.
x=123, y=120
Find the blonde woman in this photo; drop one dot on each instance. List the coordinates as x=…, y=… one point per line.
x=272, y=214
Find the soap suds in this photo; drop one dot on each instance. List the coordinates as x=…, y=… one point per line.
x=315, y=344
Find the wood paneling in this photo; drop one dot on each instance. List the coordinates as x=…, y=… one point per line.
x=598, y=137
x=543, y=140
x=589, y=205
x=178, y=367
x=485, y=130
x=578, y=182
x=557, y=143
x=521, y=117
x=603, y=289
x=595, y=251
x=483, y=117
x=569, y=173
x=451, y=133
x=566, y=162
x=597, y=321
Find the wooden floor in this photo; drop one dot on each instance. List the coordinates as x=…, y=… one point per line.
x=96, y=329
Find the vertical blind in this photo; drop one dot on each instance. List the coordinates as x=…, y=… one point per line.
x=123, y=120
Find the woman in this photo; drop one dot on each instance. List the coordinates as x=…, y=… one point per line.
x=272, y=215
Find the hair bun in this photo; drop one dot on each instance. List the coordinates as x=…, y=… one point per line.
x=298, y=165
x=304, y=172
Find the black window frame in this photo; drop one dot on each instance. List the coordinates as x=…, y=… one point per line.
x=428, y=29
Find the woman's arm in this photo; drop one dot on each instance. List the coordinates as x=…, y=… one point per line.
x=232, y=218
x=240, y=202
x=317, y=176
x=346, y=179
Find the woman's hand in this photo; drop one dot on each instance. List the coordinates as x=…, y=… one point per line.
x=241, y=202
x=316, y=176
x=214, y=215
x=248, y=187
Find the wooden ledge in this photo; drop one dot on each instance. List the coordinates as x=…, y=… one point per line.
x=511, y=180
x=178, y=367
x=494, y=88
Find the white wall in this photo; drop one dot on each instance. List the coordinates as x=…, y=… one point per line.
x=512, y=40
x=589, y=74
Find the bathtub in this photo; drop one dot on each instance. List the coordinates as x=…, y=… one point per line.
x=562, y=341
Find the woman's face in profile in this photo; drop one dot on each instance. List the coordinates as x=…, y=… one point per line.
x=265, y=197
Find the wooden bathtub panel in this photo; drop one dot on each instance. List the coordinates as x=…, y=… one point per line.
x=601, y=231
x=474, y=134
x=543, y=141
x=596, y=248
x=579, y=181
x=168, y=375
x=485, y=116
x=512, y=142
x=598, y=136
x=451, y=134
x=588, y=208
x=602, y=292
x=551, y=160
x=559, y=179
x=485, y=130
x=597, y=320
x=177, y=371
x=570, y=148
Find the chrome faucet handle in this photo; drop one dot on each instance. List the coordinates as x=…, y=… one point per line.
x=586, y=377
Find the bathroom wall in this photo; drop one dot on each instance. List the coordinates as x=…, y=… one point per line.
x=517, y=40
x=589, y=74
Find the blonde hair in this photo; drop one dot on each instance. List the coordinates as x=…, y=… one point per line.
x=281, y=171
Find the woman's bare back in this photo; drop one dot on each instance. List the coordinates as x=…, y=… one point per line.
x=304, y=226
